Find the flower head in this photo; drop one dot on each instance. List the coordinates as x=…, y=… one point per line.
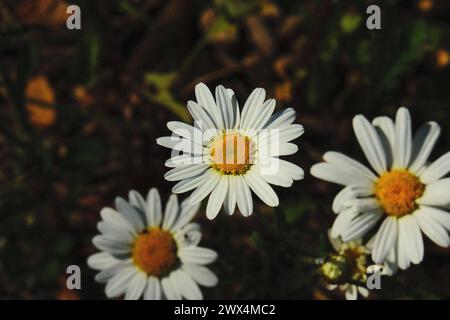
x=230, y=152
x=145, y=253
x=401, y=198
x=347, y=269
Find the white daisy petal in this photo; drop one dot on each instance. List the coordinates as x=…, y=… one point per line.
x=180, y=144
x=206, y=100
x=189, y=235
x=114, y=231
x=136, y=286
x=363, y=205
x=185, y=172
x=201, y=275
x=331, y=287
x=112, y=216
x=111, y=245
x=335, y=241
x=235, y=107
x=170, y=292
x=351, y=293
x=187, y=184
x=188, y=288
x=154, y=212
x=386, y=130
x=403, y=259
x=201, y=116
x=136, y=200
x=278, y=180
x=391, y=264
x=261, y=188
x=432, y=229
x=349, y=165
x=210, y=180
x=171, y=212
x=342, y=197
x=119, y=283
x=370, y=143
x=176, y=285
x=438, y=215
x=102, y=260
x=328, y=172
x=281, y=119
x=342, y=222
x=224, y=104
x=363, y=291
x=186, y=131
x=263, y=115
x=290, y=132
x=229, y=203
x=251, y=106
x=290, y=169
x=423, y=143
x=129, y=213
x=413, y=238
x=216, y=198
x=436, y=193
x=437, y=169
x=187, y=213
x=243, y=197
x=183, y=160
x=285, y=149
x=197, y=255
x=384, y=239
x=106, y=274
x=281, y=169
x=361, y=224
x=153, y=290
x=403, y=139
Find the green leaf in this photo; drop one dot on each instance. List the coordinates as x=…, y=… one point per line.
x=237, y=8
x=350, y=22
x=257, y=239
x=163, y=96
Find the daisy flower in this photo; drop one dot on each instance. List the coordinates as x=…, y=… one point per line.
x=402, y=197
x=228, y=152
x=147, y=254
x=345, y=268
x=348, y=267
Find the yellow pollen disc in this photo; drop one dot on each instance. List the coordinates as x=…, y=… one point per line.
x=349, y=264
x=155, y=252
x=398, y=191
x=232, y=154
x=357, y=260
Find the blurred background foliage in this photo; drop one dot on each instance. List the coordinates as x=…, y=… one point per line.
x=80, y=111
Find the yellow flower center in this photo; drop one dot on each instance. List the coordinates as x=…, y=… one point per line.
x=232, y=154
x=356, y=257
x=398, y=191
x=155, y=252
x=334, y=269
x=349, y=264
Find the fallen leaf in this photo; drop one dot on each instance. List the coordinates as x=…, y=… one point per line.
x=50, y=13
x=425, y=5
x=283, y=91
x=260, y=35
x=41, y=112
x=442, y=58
